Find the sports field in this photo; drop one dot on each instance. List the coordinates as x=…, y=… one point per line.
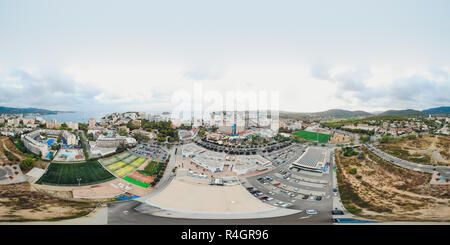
x=66, y=174
x=323, y=138
x=122, y=164
x=136, y=182
x=153, y=168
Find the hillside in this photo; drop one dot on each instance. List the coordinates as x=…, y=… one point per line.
x=11, y=110
x=333, y=113
x=444, y=110
x=407, y=112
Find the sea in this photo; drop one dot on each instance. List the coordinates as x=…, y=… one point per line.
x=77, y=116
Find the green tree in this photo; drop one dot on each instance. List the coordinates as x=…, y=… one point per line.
x=27, y=163
x=352, y=170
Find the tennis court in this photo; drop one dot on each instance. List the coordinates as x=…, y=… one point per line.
x=141, y=177
x=116, y=166
x=138, y=162
x=129, y=159
x=136, y=182
x=123, y=171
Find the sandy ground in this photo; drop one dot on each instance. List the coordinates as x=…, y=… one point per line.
x=188, y=194
x=22, y=202
x=98, y=191
x=388, y=192
x=340, y=138
x=7, y=145
x=436, y=148
x=98, y=217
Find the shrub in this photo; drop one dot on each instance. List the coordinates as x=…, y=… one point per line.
x=352, y=171
x=358, y=176
x=27, y=163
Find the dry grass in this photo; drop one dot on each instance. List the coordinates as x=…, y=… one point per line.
x=383, y=191
x=429, y=149
x=18, y=202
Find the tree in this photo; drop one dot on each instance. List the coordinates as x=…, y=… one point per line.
x=27, y=163
x=141, y=138
x=123, y=132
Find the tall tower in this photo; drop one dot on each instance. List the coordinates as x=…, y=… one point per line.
x=257, y=118
x=247, y=119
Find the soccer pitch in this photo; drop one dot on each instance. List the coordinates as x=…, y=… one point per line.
x=67, y=174
x=323, y=138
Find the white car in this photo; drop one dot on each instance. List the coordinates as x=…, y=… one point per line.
x=285, y=205
x=311, y=211
x=269, y=199
x=278, y=203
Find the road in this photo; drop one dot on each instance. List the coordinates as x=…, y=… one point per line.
x=445, y=171
x=125, y=213
x=130, y=212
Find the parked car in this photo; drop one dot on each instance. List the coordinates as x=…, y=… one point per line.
x=305, y=197
x=271, y=193
x=269, y=199
x=311, y=211
x=318, y=198
x=285, y=205
x=337, y=212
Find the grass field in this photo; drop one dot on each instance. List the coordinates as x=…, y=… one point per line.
x=124, y=171
x=116, y=166
x=323, y=138
x=129, y=159
x=136, y=182
x=66, y=174
x=153, y=168
x=138, y=162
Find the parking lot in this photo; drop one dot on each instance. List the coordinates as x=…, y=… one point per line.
x=149, y=151
x=292, y=188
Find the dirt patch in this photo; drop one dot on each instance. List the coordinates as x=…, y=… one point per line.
x=340, y=138
x=427, y=149
x=381, y=190
x=9, y=154
x=19, y=202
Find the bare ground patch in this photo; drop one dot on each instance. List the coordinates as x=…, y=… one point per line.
x=428, y=149
x=18, y=202
x=383, y=191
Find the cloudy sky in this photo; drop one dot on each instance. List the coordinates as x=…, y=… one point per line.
x=134, y=55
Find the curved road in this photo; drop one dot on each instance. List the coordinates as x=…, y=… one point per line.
x=125, y=213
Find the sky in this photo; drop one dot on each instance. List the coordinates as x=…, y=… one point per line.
x=138, y=55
